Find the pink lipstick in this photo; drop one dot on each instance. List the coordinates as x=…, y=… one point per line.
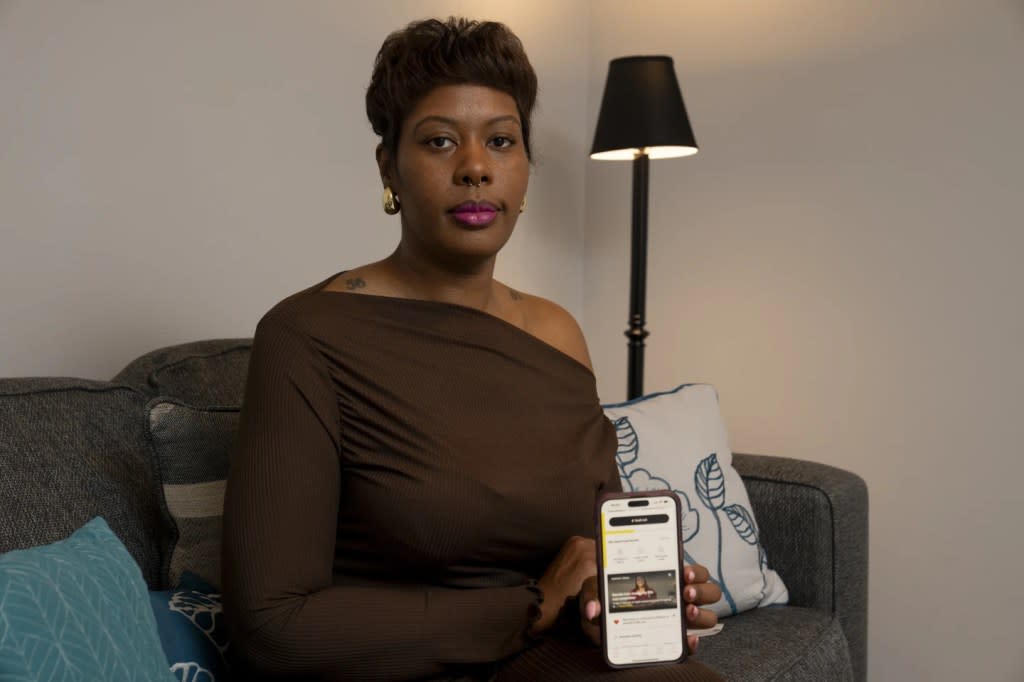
x=475, y=214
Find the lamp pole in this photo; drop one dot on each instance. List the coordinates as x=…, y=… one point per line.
x=638, y=277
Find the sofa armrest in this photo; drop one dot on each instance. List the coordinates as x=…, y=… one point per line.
x=813, y=524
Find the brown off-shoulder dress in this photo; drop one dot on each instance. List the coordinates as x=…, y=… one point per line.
x=404, y=471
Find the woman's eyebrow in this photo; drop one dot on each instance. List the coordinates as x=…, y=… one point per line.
x=507, y=117
x=437, y=119
x=453, y=122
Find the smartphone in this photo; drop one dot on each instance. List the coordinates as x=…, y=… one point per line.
x=639, y=572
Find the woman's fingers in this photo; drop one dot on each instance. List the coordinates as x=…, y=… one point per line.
x=700, y=618
x=590, y=610
x=590, y=604
x=693, y=642
x=706, y=593
x=695, y=573
x=699, y=589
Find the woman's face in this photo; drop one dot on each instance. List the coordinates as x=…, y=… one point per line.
x=460, y=173
x=641, y=582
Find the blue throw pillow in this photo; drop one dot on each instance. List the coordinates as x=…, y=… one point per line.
x=77, y=610
x=190, y=620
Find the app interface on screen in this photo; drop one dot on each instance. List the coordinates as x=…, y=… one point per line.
x=641, y=566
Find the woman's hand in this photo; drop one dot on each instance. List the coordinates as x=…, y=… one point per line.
x=575, y=563
x=696, y=591
x=590, y=610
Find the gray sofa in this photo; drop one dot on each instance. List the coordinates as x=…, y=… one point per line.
x=71, y=449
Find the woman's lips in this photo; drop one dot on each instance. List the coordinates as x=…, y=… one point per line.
x=475, y=214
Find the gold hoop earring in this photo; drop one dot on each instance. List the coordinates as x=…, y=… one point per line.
x=522, y=206
x=391, y=203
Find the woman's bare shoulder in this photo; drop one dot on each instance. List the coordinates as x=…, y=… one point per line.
x=371, y=278
x=552, y=324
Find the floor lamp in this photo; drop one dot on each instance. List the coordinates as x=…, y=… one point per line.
x=642, y=117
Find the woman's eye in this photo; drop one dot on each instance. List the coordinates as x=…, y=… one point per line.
x=440, y=142
x=501, y=142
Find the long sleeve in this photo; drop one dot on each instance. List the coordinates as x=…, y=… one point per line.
x=288, y=614
x=611, y=482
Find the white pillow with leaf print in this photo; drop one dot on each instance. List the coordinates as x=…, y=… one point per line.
x=676, y=440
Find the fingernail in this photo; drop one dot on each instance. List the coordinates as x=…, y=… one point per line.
x=691, y=593
x=591, y=609
x=690, y=575
x=693, y=610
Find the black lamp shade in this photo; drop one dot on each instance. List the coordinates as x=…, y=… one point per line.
x=642, y=109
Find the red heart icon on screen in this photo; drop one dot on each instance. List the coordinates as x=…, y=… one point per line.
x=616, y=621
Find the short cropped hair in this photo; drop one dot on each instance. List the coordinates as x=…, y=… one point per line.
x=431, y=53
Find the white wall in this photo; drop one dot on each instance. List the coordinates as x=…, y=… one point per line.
x=842, y=260
x=168, y=171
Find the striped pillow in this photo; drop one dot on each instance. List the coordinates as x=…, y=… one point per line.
x=192, y=447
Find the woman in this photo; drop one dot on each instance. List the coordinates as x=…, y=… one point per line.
x=420, y=445
x=641, y=590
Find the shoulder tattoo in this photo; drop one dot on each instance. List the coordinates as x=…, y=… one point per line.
x=355, y=283
x=516, y=296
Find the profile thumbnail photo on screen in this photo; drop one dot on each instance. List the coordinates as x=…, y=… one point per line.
x=642, y=591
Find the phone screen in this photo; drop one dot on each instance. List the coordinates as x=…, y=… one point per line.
x=640, y=579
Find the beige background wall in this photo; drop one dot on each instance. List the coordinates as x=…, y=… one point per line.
x=170, y=170
x=842, y=260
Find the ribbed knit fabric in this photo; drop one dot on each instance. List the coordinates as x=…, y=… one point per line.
x=403, y=470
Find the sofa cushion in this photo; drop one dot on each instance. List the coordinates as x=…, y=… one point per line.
x=676, y=440
x=199, y=373
x=779, y=643
x=190, y=620
x=77, y=609
x=73, y=449
x=191, y=447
